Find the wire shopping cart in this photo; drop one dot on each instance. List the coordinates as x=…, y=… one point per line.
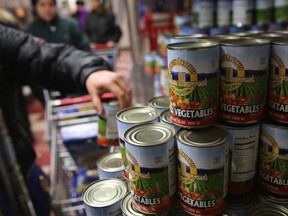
x=70, y=117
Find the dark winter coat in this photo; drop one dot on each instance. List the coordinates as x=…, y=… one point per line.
x=101, y=28
x=60, y=30
x=25, y=60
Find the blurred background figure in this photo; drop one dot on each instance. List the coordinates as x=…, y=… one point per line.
x=49, y=26
x=21, y=16
x=81, y=13
x=7, y=19
x=101, y=27
x=53, y=28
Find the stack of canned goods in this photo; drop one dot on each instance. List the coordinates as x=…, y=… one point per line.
x=243, y=76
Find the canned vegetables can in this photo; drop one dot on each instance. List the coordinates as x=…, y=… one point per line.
x=165, y=118
x=273, y=158
x=203, y=170
x=242, y=12
x=278, y=82
x=193, y=83
x=243, y=80
x=264, y=209
x=223, y=13
x=151, y=155
x=280, y=11
x=129, y=117
x=203, y=13
x=243, y=151
x=110, y=166
x=160, y=103
x=107, y=123
x=103, y=197
x=269, y=198
x=264, y=11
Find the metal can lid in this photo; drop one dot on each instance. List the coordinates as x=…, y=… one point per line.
x=159, y=102
x=277, y=199
x=104, y=193
x=192, y=45
x=268, y=210
x=269, y=35
x=241, y=34
x=218, y=38
x=245, y=42
x=149, y=134
x=128, y=208
x=139, y=114
x=282, y=41
x=241, y=201
x=189, y=36
x=207, y=137
x=165, y=116
x=110, y=162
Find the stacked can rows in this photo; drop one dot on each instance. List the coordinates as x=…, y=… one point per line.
x=242, y=79
x=225, y=13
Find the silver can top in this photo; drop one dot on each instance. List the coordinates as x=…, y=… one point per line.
x=165, y=116
x=218, y=38
x=199, y=45
x=149, y=134
x=277, y=199
x=282, y=41
x=268, y=210
x=139, y=114
x=159, y=102
x=110, y=162
x=207, y=137
x=242, y=42
x=104, y=193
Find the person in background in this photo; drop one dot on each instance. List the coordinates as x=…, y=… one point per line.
x=28, y=60
x=81, y=13
x=101, y=27
x=55, y=29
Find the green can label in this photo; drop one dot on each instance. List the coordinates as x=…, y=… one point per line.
x=202, y=179
x=193, y=87
x=243, y=83
x=278, y=84
x=273, y=159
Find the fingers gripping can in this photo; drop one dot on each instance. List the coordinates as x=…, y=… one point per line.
x=203, y=170
x=151, y=155
x=273, y=158
x=129, y=117
x=278, y=82
x=243, y=80
x=243, y=150
x=193, y=83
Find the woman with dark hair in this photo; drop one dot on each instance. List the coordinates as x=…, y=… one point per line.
x=100, y=25
x=55, y=29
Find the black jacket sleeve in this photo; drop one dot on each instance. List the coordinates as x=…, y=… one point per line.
x=27, y=60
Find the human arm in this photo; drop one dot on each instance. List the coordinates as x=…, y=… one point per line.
x=28, y=61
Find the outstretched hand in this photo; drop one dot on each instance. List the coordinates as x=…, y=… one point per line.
x=102, y=81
